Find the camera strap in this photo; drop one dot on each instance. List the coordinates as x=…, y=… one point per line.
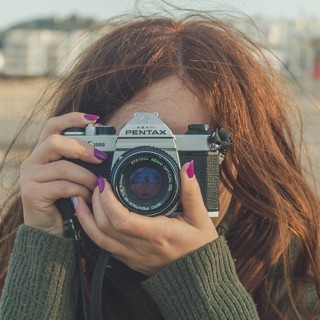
x=96, y=286
x=95, y=301
x=220, y=141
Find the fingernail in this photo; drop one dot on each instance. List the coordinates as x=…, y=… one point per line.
x=91, y=117
x=75, y=202
x=190, y=169
x=100, y=155
x=101, y=184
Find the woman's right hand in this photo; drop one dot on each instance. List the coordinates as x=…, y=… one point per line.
x=45, y=177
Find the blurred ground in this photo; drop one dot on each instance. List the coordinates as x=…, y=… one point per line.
x=18, y=96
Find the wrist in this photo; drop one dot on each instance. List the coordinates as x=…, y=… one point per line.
x=54, y=229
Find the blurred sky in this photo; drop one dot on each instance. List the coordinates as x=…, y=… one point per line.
x=14, y=11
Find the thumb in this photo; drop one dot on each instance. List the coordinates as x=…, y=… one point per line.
x=194, y=210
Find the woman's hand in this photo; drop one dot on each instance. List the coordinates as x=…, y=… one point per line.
x=45, y=178
x=147, y=244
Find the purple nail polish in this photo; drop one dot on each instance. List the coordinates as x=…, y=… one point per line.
x=190, y=169
x=100, y=155
x=91, y=117
x=75, y=201
x=101, y=184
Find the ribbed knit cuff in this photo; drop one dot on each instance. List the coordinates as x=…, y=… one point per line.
x=41, y=280
x=202, y=285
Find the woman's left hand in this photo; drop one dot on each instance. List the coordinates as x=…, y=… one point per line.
x=147, y=244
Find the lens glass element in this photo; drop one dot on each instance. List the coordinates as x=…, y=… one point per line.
x=145, y=182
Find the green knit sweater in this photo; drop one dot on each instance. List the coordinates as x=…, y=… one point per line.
x=42, y=283
x=42, y=277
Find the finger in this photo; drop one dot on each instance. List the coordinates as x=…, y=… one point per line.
x=111, y=215
x=89, y=225
x=58, y=146
x=63, y=170
x=52, y=191
x=194, y=210
x=57, y=125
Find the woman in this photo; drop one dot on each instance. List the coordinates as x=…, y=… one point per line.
x=197, y=70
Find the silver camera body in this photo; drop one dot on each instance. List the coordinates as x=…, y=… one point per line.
x=144, y=162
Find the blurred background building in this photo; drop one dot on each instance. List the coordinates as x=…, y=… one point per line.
x=45, y=47
x=49, y=48
x=31, y=52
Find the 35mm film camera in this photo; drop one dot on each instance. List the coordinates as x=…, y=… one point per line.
x=145, y=160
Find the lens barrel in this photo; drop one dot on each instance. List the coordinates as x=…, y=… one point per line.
x=147, y=181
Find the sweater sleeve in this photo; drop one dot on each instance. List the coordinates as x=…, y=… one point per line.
x=202, y=285
x=41, y=281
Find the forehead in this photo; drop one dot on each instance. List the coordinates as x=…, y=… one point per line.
x=176, y=105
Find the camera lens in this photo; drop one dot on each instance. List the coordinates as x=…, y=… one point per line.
x=146, y=180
